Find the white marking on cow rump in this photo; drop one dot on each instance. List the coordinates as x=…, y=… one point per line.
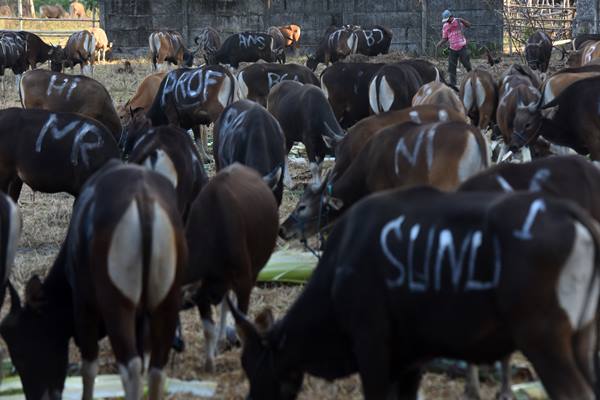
x=224, y=95
x=242, y=87
x=21, y=92
x=414, y=117
x=125, y=255
x=386, y=94
x=14, y=233
x=471, y=161
x=373, y=101
x=575, y=296
x=352, y=42
x=86, y=40
x=163, y=165
x=479, y=92
x=504, y=184
x=430, y=138
x=131, y=376
x=163, y=261
x=468, y=95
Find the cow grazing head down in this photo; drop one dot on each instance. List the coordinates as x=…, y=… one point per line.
x=40, y=360
x=57, y=57
x=526, y=123
x=132, y=132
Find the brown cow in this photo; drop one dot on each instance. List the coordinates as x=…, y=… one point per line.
x=437, y=93
x=588, y=52
x=291, y=33
x=80, y=49
x=479, y=94
x=231, y=234
x=77, y=10
x=143, y=97
x=169, y=47
x=55, y=11
x=393, y=87
x=55, y=91
x=102, y=43
x=118, y=274
x=558, y=82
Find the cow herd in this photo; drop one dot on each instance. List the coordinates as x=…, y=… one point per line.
x=427, y=249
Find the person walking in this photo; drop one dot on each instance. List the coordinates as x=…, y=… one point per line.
x=452, y=32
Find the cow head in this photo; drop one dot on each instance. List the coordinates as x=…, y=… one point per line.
x=261, y=347
x=533, y=55
x=312, y=62
x=526, y=122
x=57, y=58
x=37, y=336
x=137, y=126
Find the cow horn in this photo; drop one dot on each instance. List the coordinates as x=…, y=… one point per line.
x=333, y=135
x=15, y=301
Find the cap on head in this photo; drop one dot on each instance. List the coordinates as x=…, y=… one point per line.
x=446, y=15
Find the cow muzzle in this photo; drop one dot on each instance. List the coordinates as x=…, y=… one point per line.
x=518, y=140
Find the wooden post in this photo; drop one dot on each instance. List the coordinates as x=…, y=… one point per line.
x=94, y=4
x=20, y=13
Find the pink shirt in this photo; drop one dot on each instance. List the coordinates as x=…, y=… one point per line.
x=453, y=32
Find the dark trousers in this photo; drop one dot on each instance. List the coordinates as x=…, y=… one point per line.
x=453, y=57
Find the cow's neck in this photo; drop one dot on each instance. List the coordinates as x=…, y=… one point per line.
x=557, y=134
x=351, y=186
x=56, y=286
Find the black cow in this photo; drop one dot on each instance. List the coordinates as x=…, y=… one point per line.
x=393, y=87
x=256, y=80
x=335, y=46
x=13, y=53
x=248, y=134
x=375, y=41
x=428, y=71
x=208, y=42
x=245, y=47
x=538, y=51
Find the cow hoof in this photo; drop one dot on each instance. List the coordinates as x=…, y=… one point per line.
x=209, y=367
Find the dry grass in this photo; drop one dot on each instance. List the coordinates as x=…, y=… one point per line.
x=46, y=219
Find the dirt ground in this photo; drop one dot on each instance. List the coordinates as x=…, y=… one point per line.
x=46, y=218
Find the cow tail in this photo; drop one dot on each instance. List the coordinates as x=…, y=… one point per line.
x=484, y=147
x=232, y=89
x=146, y=216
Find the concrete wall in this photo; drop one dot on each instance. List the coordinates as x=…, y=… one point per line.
x=416, y=24
x=586, y=19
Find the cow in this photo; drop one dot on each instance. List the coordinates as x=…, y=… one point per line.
x=305, y=116
x=13, y=53
x=538, y=51
x=346, y=86
x=58, y=92
x=584, y=37
x=437, y=93
x=55, y=11
x=245, y=47
x=53, y=152
x=239, y=207
x=256, y=81
x=375, y=41
x=170, y=151
x=77, y=9
x=441, y=154
x=80, y=49
x=190, y=97
x=558, y=82
x=118, y=273
x=169, y=47
x=246, y=133
x=278, y=43
x=571, y=119
x=393, y=87
x=37, y=51
x=333, y=47
x=291, y=34
x=426, y=70
x=143, y=97
x=102, y=43
x=479, y=95
x=208, y=42
x=6, y=11
x=588, y=52
x=524, y=70
x=492, y=272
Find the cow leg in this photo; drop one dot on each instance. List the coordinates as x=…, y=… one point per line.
x=223, y=325
x=86, y=328
x=407, y=385
x=472, y=383
x=210, y=334
x=200, y=137
x=14, y=188
x=506, y=375
x=584, y=343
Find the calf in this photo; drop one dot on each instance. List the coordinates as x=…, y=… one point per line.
x=55, y=11
x=143, y=97
x=479, y=95
x=256, y=80
x=245, y=47
x=346, y=86
x=169, y=47
x=588, y=52
x=393, y=87
x=493, y=274
x=208, y=42
x=53, y=152
x=278, y=43
x=102, y=43
x=335, y=46
x=77, y=10
x=80, y=49
x=441, y=154
x=305, y=116
x=538, y=51
x=231, y=234
x=437, y=93
x=375, y=41
x=291, y=34
x=57, y=92
x=169, y=151
x=248, y=134
x=118, y=273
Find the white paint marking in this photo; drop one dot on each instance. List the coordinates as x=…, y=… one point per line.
x=373, y=101
x=243, y=88
x=163, y=261
x=402, y=149
x=224, y=95
x=479, y=92
x=414, y=117
x=471, y=161
x=468, y=95
x=504, y=184
x=524, y=233
x=443, y=116
x=14, y=233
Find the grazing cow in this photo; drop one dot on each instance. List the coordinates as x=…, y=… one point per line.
x=441, y=154
x=437, y=93
x=170, y=151
x=571, y=119
x=333, y=47
x=492, y=273
x=479, y=95
x=53, y=152
x=169, y=47
x=80, y=49
x=77, y=10
x=13, y=53
x=102, y=43
x=375, y=41
x=245, y=47
x=278, y=43
x=246, y=133
x=346, y=86
x=190, y=97
x=143, y=97
x=231, y=234
x=118, y=274
x=37, y=51
x=256, y=81
x=305, y=116
x=208, y=42
x=393, y=87
x=588, y=52
x=558, y=82
x=291, y=34
x=55, y=11
x=538, y=51
x=6, y=11
x=58, y=92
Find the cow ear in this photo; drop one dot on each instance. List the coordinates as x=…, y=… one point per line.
x=34, y=293
x=264, y=321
